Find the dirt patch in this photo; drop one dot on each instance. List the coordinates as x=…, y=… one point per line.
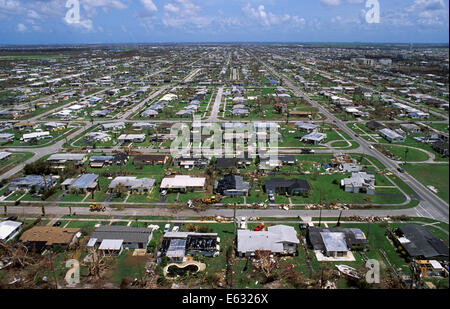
x=135, y=261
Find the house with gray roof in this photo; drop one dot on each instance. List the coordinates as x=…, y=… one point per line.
x=133, y=184
x=113, y=126
x=130, y=237
x=336, y=242
x=84, y=183
x=232, y=185
x=278, y=239
x=391, y=136
x=314, y=138
x=59, y=159
x=26, y=183
x=359, y=182
x=306, y=127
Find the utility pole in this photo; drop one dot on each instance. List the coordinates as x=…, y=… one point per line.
x=320, y=217
x=234, y=218
x=339, y=219
x=406, y=153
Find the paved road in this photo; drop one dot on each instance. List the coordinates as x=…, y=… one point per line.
x=60, y=211
x=430, y=204
x=216, y=106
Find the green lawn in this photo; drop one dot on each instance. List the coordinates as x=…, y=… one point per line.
x=413, y=155
x=432, y=174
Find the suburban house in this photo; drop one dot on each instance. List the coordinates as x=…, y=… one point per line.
x=441, y=147
x=52, y=126
x=132, y=185
x=375, y=125
x=314, y=138
x=39, y=238
x=120, y=159
x=35, y=135
x=84, y=183
x=114, y=238
x=419, y=243
x=268, y=163
x=98, y=137
x=232, y=185
x=183, y=183
x=336, y=242
x=4, y=155
x=150, y=159
x=9, y=230
x=176, y=245
x=190, y=163
x=278, y=239
x=116, y=126
x=391, y=136
x=234, y=162
x=306, y=127
x=60, y=159
x=131, y=138
x=28, y=182
x=359, y=182
x=290, y=186
x=100, y=161
x=6, y=137
x=143, y=126
x=410, y=128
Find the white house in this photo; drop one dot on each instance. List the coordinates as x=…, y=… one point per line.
x=9, y=230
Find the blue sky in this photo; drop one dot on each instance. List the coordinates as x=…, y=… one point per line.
x=127, y=21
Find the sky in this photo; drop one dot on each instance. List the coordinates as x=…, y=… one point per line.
x=161, y=21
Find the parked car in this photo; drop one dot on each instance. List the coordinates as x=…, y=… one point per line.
x=57, y=223
x=175, y=229
x=167, y=228
x=401, y=170
x=259, y=227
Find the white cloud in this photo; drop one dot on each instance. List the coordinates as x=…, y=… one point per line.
x=331, y=2
x=171, y=8
x=21, y=28
x=265, y=18
x=149, y=5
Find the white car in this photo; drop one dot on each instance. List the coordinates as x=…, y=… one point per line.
x=166, y=228
x=163, y=192
x=175, y=229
